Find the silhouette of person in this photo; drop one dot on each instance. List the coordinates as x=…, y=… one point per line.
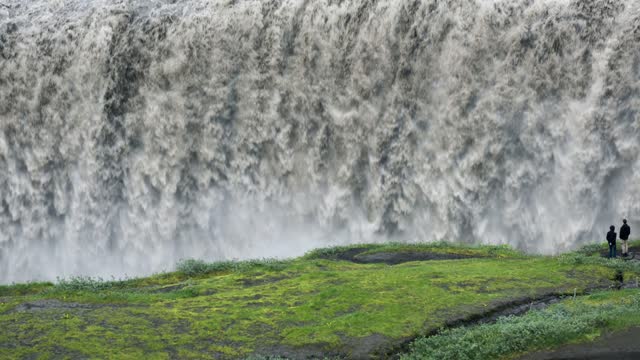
x=625, y=231
x=611, y=239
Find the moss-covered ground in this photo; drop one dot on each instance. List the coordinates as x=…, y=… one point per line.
x=325, y=303
x=572, y=321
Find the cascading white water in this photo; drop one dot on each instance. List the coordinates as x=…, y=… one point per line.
x=135, y=133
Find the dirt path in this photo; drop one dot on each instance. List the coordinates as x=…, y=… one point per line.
x=624, y=345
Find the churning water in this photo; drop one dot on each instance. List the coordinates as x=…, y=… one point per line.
x=135, y=133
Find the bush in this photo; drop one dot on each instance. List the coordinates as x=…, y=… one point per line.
x=194, y=267
x=591, y=249
x=87, y=283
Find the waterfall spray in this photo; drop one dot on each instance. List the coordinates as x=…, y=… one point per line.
x=135, y=133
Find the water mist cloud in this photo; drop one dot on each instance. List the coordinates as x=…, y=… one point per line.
x=135, y=133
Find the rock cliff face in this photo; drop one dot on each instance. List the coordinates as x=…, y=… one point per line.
x=134, y=133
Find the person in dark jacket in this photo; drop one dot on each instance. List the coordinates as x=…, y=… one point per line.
x=625, y=231
x=611, y=239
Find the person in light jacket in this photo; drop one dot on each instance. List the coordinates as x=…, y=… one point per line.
x=625, y=231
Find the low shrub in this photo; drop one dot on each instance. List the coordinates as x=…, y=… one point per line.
x=87, y=283
x=194, y=267
x=592, y=249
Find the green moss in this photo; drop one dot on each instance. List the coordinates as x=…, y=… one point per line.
x=500, y=251
x=24, y=289
x=253, y=307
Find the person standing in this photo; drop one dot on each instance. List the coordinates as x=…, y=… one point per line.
x=625, y=231
x=611, y=239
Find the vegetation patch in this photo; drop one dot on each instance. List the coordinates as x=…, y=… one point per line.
x=582, y=319
x=41, y=305
x=192, y=267
x=317, y=305
x=620, y=345
x=602, y=249
x=24, y=289
x=396, y=253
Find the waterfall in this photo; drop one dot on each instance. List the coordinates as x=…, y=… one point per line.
x=136, y=133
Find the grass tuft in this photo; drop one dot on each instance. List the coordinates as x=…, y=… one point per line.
x=87, y=283
x=195, y=268
x=30, y=288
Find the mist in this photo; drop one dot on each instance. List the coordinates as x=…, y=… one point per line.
x=137, y=133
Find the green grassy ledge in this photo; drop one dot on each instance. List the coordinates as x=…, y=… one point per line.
x=313, y=305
